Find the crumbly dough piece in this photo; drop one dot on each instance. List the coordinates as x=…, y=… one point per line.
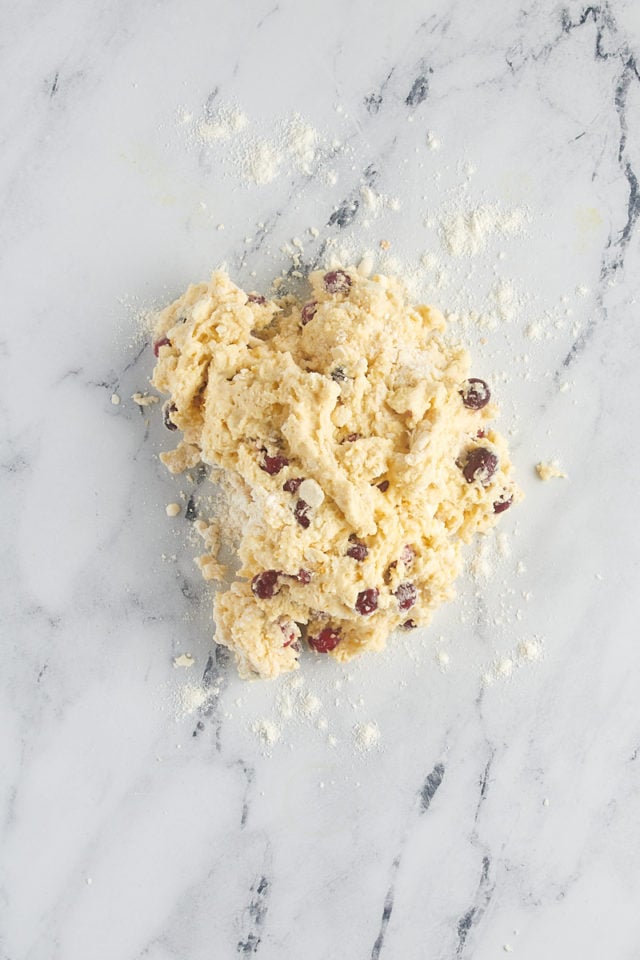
x=549, y=469
x=356, y=453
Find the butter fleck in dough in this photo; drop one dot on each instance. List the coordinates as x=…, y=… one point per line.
x=354, y=470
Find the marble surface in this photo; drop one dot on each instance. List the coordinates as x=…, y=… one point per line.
x=142, y=815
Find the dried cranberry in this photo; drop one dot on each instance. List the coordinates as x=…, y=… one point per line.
x=367, y=601
x=384, y=486
x=481, y=434
x=408, y=555
x=352, y=437
x=481, y=464
x=337, y=281
x=357, y=549
x=304, y=576
x=264, y=584
x=290, y=634
x=328, y=639
x=256, y=298
x=301, y=513
x=338, y=374
x=309, y=312
x=406, y=595
x=409, y=625
x=162, y=342
x=475, y=393
x=502, y=504
x=273, y=465
x=291, y=486
x=166, y=416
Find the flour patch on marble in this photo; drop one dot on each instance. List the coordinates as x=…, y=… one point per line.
x=467, y=232
x=256, y=154
x=190, y=698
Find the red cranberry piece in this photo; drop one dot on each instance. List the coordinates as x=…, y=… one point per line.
x=502, y=504
x=256, y=298
x=291, y=486
x=304, y=576
x=301, y=513
x=290, y=634
x=384, y=486
x=406, y=595
x=264, y=584
x=367, y=601
x=352, y=437
x=409, y=625
x=273, y=465
x=162, y=342
x=475, y=393
x=166, y=416
x=337, y=281
x=481, y=465
x=357, y=549
x=408, y=555
x=481, y=434
x=309, y=312
x=328, y=639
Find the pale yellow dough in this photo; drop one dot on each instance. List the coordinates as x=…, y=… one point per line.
x=367, y=392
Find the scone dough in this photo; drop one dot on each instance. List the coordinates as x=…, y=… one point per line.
x=356, y=452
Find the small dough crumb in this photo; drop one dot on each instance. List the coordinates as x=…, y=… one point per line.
x=144, y=399
x=172, y=509
x=115, y=399
x=548, y=469
x=183, y=660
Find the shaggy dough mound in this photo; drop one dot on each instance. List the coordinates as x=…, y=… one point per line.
x=356, y=449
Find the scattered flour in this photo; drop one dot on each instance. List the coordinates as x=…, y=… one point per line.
x=481, y=566
x=502, y=668
x=300, y=143
x=267, y=731
x=502, y=544
x=310, y=704
x=443, y=660
x=467, y=232
x=367, y=736
x=261, y=162
x=290, y=145
x=191, y=698
x=226, y=122
x=530, y=650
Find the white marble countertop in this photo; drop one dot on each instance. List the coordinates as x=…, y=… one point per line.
x=142, y=817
